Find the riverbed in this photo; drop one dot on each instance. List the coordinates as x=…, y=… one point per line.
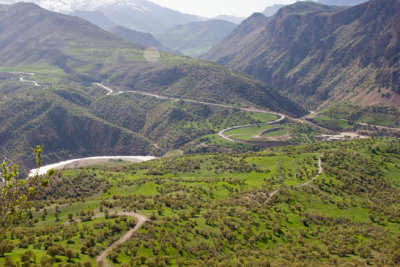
x=82, y=162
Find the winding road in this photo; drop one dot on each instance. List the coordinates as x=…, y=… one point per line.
x=22, y=78
x=221, y=133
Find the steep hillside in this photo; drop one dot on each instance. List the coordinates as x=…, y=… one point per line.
x=145, y=39
x=57, y=118
x=321, y=55
x=196, y=38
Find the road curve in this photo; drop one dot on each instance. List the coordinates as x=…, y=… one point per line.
x=221, y=133
x=22, y=78
x=141, y=219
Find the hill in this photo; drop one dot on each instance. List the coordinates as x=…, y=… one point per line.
x=145, y=39
x=325, y=204
x=321, y=55
x=196, y=38
x=69, y=54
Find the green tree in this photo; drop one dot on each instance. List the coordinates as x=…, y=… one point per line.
x=6, y=247
x=16, y=195
x=69, y=253
x=53, y=251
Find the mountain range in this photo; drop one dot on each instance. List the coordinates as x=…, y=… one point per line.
x=139, y=15
x=322, y=55
x=73, y=118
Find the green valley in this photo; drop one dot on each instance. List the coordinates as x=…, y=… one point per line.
x=284, y=151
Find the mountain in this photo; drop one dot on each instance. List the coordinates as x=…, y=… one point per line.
x=233, y=19
x=139, y=15
x=341, y=2
x=322, y=55
x=145, y=39
x=196, y=38
x=74, y=118
x=272, y=10
x=96, y=17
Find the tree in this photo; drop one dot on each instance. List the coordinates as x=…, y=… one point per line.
x=9, y=262
x=69, y=253
x=6, y=247
x=53, y=251
x=16, y=195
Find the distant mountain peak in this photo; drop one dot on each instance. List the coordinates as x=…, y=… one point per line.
x=67, y=6
x=140, y=15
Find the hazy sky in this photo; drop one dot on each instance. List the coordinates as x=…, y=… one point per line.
x=212, y=8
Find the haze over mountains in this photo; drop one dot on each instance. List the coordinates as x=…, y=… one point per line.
x=145, y=39
x=196, y=38
x=139, y=15
x=321, y=55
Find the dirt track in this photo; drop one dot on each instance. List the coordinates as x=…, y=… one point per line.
x=141, y=219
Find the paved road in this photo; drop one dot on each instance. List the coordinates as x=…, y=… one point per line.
x=23, y=75
x=221, y=133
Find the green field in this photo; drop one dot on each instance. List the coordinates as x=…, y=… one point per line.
x=334, y=124
x=248, y=133
x=277, y=132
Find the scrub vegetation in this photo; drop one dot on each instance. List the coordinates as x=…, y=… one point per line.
x=219, y=209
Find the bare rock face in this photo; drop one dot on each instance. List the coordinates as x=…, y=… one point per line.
x=317, y=53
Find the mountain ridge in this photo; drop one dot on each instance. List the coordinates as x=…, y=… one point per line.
x=314, y=55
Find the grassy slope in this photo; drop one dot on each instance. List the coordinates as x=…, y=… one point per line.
x=208, y=206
